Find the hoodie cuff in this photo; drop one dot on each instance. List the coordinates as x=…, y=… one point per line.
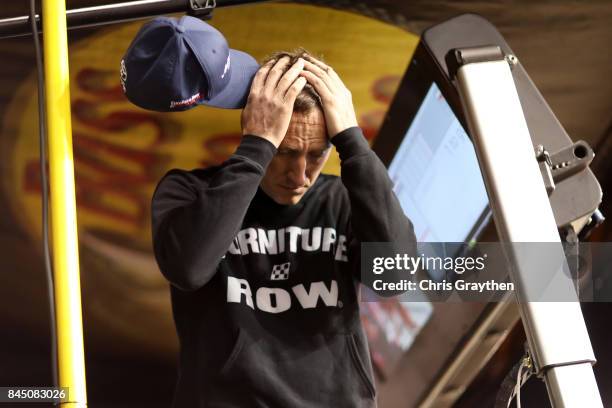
x=350, y=142
x=256, y=149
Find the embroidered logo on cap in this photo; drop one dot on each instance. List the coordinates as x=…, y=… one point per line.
x=226, y=67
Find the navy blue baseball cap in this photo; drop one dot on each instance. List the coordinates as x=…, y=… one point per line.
x=176, y=64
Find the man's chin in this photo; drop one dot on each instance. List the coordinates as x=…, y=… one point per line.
x=288, y=199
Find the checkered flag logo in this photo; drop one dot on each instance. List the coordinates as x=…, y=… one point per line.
x=280, y=272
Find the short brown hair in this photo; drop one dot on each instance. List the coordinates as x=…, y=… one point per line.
x=309, y=98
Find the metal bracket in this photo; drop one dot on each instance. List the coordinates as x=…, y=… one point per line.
x=458, y=57
x=470, y=55
x=202, y=8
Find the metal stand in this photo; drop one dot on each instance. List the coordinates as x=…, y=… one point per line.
x=556, y=333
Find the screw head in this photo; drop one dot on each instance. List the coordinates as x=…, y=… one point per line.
x=511, y=59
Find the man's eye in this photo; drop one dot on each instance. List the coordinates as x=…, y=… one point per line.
x=316, y=155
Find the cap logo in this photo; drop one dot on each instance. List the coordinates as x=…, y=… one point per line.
x=226, y=67
x=123, y=75
x=185, y=102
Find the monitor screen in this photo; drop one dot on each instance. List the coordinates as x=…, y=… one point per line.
x=436, y=175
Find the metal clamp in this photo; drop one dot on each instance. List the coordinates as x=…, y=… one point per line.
x=202, y=8
x=564, y=163
x=545, y=164
x=571, y=160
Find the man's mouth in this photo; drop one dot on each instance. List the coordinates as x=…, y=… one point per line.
x=292, y=189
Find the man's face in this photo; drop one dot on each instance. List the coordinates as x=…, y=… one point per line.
x=299, y=159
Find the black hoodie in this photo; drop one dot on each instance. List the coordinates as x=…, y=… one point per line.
x=265, y=296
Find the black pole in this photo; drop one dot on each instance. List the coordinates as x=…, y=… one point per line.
x=117, y=13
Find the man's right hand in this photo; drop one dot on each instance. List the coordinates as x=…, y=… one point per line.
x=270, y=104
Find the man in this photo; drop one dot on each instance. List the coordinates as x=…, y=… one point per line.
x=262, y=252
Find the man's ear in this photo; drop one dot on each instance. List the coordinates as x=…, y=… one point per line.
x=242, y=119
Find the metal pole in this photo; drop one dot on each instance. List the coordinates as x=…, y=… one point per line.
x=557, y=337
x=63, y=207
x=113, y=13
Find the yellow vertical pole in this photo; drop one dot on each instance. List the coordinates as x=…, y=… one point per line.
x=69, y=324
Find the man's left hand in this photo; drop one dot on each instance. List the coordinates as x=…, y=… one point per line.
x=335, y=96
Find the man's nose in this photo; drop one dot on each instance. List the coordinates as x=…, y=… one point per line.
x=297, y=172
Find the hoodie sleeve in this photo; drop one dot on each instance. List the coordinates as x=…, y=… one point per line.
x=194, y=221
x=376, y=214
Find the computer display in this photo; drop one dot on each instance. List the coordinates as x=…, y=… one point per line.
x=436, y=175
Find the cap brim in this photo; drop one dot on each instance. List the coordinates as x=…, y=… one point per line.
x=243, y=68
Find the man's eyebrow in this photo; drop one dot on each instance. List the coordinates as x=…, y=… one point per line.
x=320, y=148
x=288, y=148
x=306, y=122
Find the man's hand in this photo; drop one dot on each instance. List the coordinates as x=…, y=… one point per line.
x=270, y=104
x=337, y=99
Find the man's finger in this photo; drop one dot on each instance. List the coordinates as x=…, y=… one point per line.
x=275, y=74
x=317, y=62
x=318, y=85
x=289, y=77
x=294, y=90
x=319, y=72
x=328, y=69
x=260, y=77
